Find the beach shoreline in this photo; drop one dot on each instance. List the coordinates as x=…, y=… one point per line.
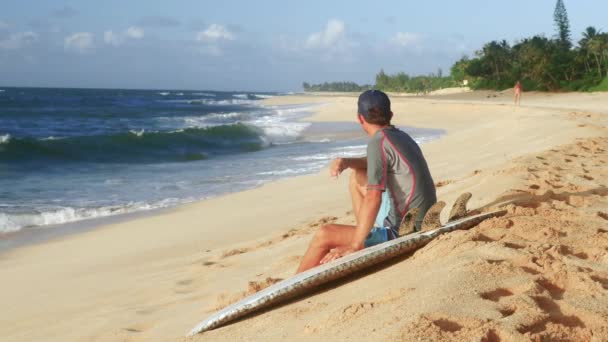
x=316, y=131
x=154, y=277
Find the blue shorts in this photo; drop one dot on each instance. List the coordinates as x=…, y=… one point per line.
x=379, y=233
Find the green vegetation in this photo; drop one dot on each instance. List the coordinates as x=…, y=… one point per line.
x=403, y=83
x=400, y=82
x=601, y=87
x=540, y=63
x=336, y=87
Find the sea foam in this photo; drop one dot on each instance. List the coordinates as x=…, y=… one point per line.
x=14, y=222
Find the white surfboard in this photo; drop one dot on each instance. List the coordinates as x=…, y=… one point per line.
x=311, y=279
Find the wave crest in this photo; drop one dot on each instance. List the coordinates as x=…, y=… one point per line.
x=138, y=146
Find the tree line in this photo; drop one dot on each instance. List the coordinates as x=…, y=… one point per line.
x=539, y=63
x=399, y=82
x=336, y=86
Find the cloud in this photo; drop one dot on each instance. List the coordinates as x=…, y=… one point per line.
x=159, y=21
x=4, y=25
x=215, y=33
x=407, y=39
x=64, y=12
x=18, y=40
x=117, y=38
x=80, y=42
x=111, y=38
x=135, y=32
x=333, y=34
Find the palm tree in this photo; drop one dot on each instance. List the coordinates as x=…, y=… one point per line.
x=598, y=47
x=589, y=33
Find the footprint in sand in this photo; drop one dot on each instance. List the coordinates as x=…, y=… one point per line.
x=513, y=245
x=496, y=295
x=507, y=311
x=482, y=238
x=567, y=250
x=529, y=270
x=211, y=263
x=554, y=290
x=253, y=287
x=235, y=251
x=602, y=281
x=443, y=183
x=137, y=328
x=447, y=325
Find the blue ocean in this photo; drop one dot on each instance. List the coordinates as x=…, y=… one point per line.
x=74, y=154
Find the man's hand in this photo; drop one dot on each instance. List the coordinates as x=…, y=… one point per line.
x=339, y=252
x=337, y=166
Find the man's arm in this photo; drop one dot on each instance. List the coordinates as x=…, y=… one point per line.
x=340, y=164
x=367, y=217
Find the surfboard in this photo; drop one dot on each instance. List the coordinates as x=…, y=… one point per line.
x=309, y=280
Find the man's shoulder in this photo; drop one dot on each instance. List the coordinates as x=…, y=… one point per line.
x=398, y=136
x=375, y=139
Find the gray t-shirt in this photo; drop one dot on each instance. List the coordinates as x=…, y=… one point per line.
x=395, y=164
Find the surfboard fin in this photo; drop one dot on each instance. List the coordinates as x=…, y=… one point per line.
x=459, y=209
x=431, y=218
x=408, y=224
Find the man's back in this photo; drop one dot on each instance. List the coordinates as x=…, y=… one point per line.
x=396, y=164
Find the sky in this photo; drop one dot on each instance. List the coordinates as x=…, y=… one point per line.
x=264, y=45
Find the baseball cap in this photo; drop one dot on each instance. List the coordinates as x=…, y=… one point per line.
x=374, y=98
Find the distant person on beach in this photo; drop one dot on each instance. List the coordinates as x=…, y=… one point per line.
x=384, y=186
x=517, y=90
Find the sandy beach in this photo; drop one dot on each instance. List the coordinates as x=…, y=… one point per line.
x=539, y=273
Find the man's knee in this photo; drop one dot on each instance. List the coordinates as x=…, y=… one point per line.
x=359, y=178
x=323, y=234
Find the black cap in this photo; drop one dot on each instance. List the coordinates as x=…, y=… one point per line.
x=374, y=98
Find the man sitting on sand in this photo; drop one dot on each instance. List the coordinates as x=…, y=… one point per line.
x=384, y=186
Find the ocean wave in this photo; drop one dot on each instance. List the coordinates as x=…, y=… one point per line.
x=320, y=141
x=51, y=138
x=285, y=172
x=210, y=102
x=241, y=96
x=204, y=94
x=187, y=144
x=263, y=96
x=347, y=152
x=281, y=131
x=164, y=93
x=139, y=133
x=13, y=222
x=4, y=139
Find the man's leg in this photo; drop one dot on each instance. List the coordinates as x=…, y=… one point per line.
x=333, y=235
x=326, y=238
x=358, y=189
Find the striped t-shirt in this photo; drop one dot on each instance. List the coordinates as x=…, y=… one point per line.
x=395, y=164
